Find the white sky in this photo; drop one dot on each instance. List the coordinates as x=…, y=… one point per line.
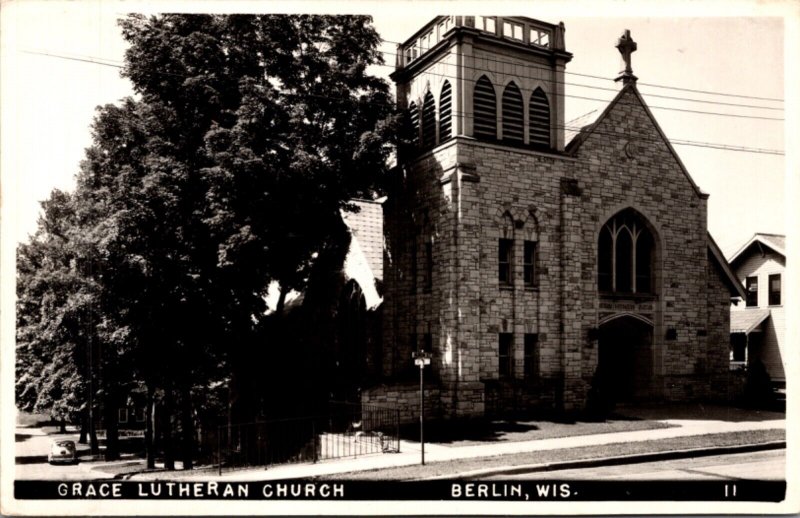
x=48, y=103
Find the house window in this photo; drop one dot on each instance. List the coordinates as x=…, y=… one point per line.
x=486, y=23
x=751, y=285
x=539, y=124
x=512, y=114
x=529, y=264
x=123, y=415
x=625, y=251
x=504, y=366
x=540, y=38
x=428, y=122
x=512, y=30
x=775, y=289
x=505, y=260
x=428, y=266
x=445, y=112
x=140, y=417
x=484, y=110
x=531, y=356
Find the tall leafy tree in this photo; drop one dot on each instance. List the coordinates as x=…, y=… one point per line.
x=248, y=135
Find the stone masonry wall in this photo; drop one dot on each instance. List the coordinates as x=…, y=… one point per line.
x=460, y=197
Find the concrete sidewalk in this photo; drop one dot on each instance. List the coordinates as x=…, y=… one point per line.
x=410, y=451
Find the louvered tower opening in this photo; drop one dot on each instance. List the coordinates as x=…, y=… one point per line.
x=512, y=115
x=445, y=112
x=539, y=119
x=413, y=117
x=428, y=122
x=484, y=110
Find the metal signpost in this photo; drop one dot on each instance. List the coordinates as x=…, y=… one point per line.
x=421, y=358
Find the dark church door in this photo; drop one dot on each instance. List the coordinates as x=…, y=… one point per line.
x=625, y=364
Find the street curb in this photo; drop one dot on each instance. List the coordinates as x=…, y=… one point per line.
x=636, y=458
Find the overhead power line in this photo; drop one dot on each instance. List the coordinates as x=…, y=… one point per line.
x=604, y=78
x=710, y=145
x=666, y=108
x=539, y=67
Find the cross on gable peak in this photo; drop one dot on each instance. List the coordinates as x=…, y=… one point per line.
x=626, y=47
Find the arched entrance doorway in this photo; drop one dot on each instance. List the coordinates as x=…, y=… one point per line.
x=625, y=359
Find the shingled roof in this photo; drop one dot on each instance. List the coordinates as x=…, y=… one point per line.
x=364, y=262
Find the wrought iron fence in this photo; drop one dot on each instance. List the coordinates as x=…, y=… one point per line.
x=347, y=430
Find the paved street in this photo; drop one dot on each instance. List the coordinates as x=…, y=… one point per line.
x=764, y=465
x=33, y=444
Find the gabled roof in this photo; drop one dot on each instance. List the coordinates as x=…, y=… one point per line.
x=366, y=225
x=585, y=132
x=364, y=261
x=776, y=242
x=714, y=252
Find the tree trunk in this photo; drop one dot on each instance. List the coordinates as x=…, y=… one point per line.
x=110, y=416
x=84, y=427
x=281, y=301
x=148, y=431
x=169, y=454
x=94, y=445
x=62, y=425
x=187, y=427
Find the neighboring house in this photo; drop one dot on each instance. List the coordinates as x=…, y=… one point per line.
x=536, y=270
x=758, y=323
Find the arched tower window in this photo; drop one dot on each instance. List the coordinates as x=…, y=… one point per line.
x=484, y=109
x=428, y=121
x=512, y=114
x=626, y=249
x=539, y=126
x=445, y=112
x=413, y=117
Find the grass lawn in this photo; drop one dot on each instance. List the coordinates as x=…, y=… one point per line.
x=453, y=468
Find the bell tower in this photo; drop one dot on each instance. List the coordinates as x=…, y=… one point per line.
x=491, y=78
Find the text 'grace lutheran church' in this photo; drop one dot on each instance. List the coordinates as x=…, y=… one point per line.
x=540, y=272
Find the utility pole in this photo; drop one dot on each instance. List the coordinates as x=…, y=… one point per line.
x=421, y=359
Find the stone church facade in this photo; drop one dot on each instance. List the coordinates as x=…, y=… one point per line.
x=534, y=270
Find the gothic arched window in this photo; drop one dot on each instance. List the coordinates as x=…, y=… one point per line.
x=445, y=112
x=413, y=117
x=512, y=114
x=484, y=110
x=625, y=251
x=539, y=126
x=428, y=121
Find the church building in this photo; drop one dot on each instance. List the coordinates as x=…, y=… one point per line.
x=537, y=272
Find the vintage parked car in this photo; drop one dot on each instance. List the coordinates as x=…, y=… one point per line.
x=62, y=451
